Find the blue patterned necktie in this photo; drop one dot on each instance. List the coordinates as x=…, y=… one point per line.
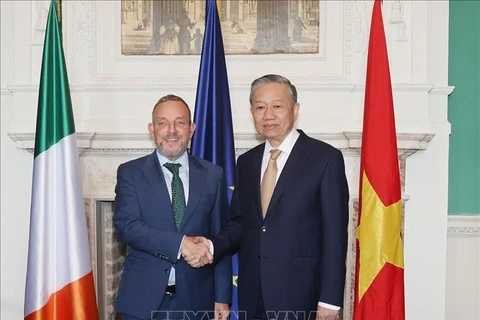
x=178, y=195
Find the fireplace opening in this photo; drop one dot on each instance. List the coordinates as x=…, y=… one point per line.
x=110, y=255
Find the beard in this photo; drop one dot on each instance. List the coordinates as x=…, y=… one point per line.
x=167, y=151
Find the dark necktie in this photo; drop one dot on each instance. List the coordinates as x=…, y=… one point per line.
x=178, y=195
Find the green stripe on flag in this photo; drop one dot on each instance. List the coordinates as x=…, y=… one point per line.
x=54, y=114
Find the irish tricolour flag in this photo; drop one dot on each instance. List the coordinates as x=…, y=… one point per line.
x=59, y=273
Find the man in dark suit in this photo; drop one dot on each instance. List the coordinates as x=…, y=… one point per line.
x=162, y=200
x=289, y=215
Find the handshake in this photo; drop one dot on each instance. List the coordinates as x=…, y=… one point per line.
x=196, y=251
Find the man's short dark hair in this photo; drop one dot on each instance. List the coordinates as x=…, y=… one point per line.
x=172, y=97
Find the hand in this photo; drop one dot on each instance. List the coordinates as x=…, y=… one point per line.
x=327, y=314
x=222, y=310
x=202, y=240
x=196, y=254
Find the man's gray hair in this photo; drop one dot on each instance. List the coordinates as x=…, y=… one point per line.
x=273, y=78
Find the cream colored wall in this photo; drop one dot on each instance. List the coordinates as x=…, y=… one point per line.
x=463, y=268
x=114, y=94
x=16, y=172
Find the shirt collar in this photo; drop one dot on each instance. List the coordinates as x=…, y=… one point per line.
x=183, y=160
x=287, y=144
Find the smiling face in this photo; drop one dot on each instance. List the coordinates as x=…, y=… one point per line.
x=171, y=128
x=274, y=112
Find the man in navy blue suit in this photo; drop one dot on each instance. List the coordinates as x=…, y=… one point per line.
x=289, y=215
x=162, y=201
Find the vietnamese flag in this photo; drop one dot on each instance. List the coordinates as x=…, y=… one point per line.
x=379, y=285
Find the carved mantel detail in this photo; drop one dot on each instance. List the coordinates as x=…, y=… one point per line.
x=463, y=226
x=140, y=143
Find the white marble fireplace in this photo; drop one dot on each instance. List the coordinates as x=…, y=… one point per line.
x=100, y=155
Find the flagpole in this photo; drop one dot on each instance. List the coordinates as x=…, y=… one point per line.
x=58, y=4
x=213, y=139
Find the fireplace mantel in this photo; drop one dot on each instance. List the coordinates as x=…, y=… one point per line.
x=102, y=153
x=140, y=143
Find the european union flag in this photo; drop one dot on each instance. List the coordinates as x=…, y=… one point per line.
x=213, y=139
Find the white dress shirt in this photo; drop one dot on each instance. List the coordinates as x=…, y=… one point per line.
x=183, y=172
x=286, y=148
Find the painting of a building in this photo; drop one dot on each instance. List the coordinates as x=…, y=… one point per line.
x=173, y=27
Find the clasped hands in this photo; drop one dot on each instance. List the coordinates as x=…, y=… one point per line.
x=196, y=251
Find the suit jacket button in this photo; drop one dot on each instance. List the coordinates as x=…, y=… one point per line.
x=264, y=229
x=167, y=271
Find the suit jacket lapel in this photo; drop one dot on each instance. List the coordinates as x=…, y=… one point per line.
x=250, y=172
x=197, y=176
x=291, y=168
x=154, y=175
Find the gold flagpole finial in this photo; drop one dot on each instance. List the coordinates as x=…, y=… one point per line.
x=58, y=3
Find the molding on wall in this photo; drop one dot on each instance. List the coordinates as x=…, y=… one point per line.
x=152, y=84
x=33, y=88
x=39, y=21
x=140, y=143
x=26, y=141
x=5, y=91
x=97, y=75
x=442, y=90
x=82, y=11
x=407, y=143
x=463, y=226
x=21, y=88
x=360, y=27
x=418, y=87
x=347, y=44
x=407, y=87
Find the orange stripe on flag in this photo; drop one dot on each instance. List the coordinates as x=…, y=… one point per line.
x=74, y=301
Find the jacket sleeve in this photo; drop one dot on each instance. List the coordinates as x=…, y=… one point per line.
x=334, y=199
x=227, y=242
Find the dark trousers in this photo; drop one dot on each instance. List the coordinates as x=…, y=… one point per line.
x=165, y=312
x=260, y=313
